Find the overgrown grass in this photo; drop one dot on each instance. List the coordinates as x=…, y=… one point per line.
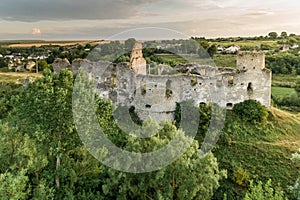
x=280, y=92
x=284, y=80
x=172, y=57
x=13, y=77
x=218, y=60
x=262, y=150
x=228, y=60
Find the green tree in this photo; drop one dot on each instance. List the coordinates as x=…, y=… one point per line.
x=295, y=189
x=88, y=46
x=202, y=50
x=284, y=63
x=189, y=177
x=123, y=58
x=273, y=35
x=42, y=64
x=284, y=34
x=265, y=191
x=55, y=160
x=129, y=44
x=3, y=62
x=212, y=50
x=13, y=186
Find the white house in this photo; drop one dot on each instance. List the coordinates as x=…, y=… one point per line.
x=232, y=49
x=220, y=48
x=9, y=56
x=295, y=46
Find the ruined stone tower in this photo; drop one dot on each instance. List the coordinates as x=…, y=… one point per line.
x=250, y=61
x=137, y=61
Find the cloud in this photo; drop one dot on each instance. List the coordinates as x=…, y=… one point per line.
x=65, y=19
x=36, y=31
x=58, y=10
x=259, y=13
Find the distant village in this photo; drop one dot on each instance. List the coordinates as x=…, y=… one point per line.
x=19, y=60
x=26, y=59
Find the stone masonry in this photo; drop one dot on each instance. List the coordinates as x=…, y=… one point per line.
x=156, y=96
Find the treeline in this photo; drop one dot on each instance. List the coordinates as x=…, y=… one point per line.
x=270, y=36
x=283, y=63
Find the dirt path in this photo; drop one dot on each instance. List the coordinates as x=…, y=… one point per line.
x=16, y=74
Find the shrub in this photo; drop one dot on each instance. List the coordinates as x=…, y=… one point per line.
x=295, y=189
x=240, y=176
x=193, y=81
x=262, y=191
x=251, y=111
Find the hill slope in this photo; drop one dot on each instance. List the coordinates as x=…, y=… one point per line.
x=263, y=151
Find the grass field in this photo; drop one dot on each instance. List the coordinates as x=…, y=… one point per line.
x=225, y=60
x=249, y=43
x=13, y=77
x=282, y=91
x=13, y=44
x=282, y=80
x=184, y=59
x=173, y=57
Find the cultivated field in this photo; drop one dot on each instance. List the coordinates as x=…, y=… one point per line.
x=53, y=43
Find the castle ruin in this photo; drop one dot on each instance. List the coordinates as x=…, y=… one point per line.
x=156, y=96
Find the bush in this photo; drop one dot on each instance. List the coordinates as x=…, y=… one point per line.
x=295, y=189
x=264, y=192
x=290, y=103
x=251, y=111
x=240, y=176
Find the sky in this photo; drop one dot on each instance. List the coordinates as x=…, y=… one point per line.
x=168, y=19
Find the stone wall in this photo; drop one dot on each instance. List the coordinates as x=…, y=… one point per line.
x=60, y=64
x=250, y=60
x=155, y=96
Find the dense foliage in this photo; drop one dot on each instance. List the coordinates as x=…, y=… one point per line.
x=251, y=111
x=264, y=192
x=283, y=63
x=42, y=156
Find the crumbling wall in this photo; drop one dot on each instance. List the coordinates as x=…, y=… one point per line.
x=155, y=96
x=250, y=60
x=60, y=64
